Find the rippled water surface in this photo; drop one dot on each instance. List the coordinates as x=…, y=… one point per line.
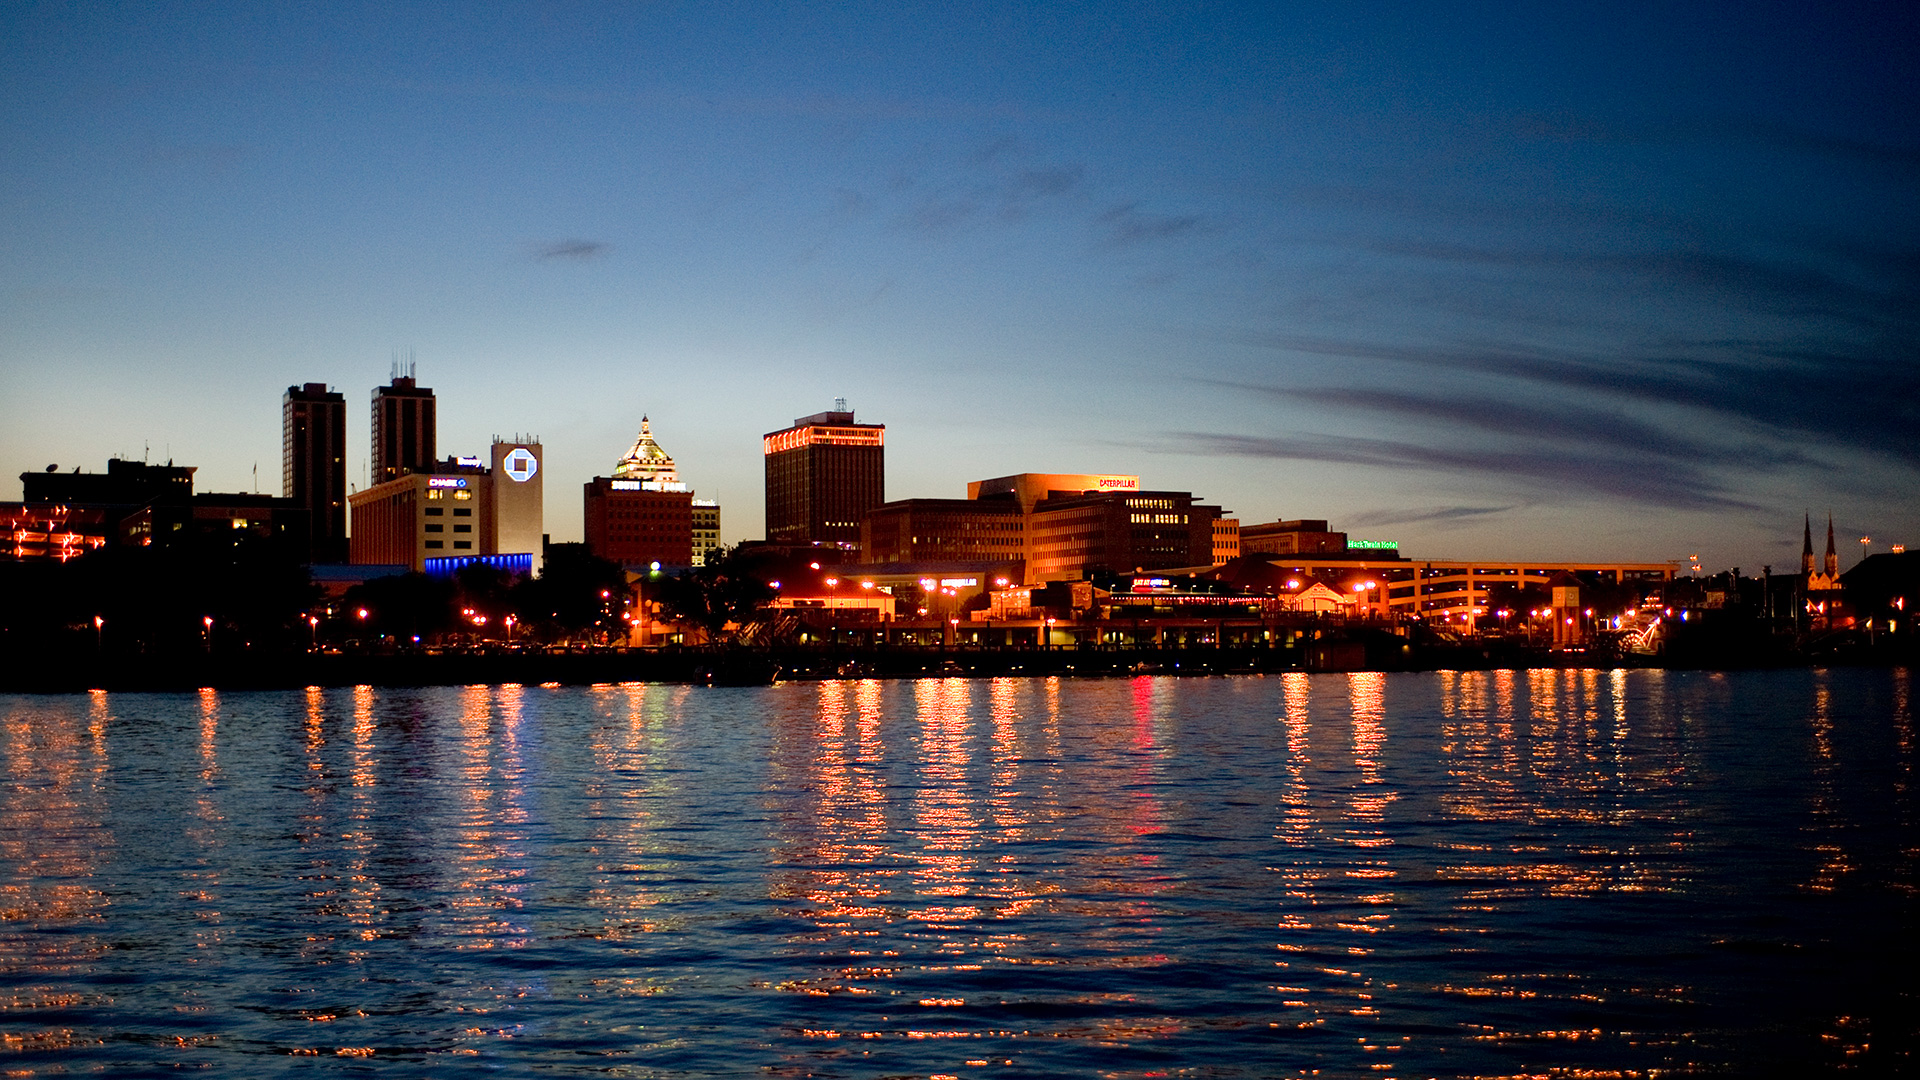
x=1488, y=874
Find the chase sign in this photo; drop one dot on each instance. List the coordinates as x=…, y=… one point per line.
x=520, y=464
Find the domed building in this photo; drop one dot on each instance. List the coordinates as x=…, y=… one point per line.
x=643, y=514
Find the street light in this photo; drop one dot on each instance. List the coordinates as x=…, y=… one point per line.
x=313, y=633
x=207, y=622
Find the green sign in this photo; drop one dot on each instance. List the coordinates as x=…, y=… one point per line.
x=1373, y=545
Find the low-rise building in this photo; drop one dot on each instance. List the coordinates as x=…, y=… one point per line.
x=1071, y=536
x=706, y=529
x=943, y=530
x=1303, y=537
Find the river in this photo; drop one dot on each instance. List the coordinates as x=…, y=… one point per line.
x=1487, y=874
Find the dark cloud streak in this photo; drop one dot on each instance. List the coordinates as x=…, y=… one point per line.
x=1416, y=514
x=1855, y=399
x=576, y=250
x=1642, y=479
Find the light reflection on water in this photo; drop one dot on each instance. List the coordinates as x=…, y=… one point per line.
x=1463, y=873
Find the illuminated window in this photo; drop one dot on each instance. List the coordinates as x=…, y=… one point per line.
x=463, y=495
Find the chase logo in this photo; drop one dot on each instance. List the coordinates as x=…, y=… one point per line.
x=521, y=465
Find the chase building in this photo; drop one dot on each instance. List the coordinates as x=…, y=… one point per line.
x=458, y=511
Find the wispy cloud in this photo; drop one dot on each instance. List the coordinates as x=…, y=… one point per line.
x=576, y=250
x=1128, y=224
x=1877, y=290
x=1859, y=397
x=1564, y=423
x=1414, y=514
x=1642, y=479
x=993, y=184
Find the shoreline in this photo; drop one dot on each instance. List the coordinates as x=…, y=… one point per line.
x=762, y=666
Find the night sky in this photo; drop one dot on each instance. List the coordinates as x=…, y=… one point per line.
x=1627, y=282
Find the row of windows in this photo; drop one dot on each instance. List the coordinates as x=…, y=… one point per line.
x=437, y=527
x=459, y=545
x=458, y=511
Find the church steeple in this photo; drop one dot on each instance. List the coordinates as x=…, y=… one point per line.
x=1806, y=548
x=1833, y=557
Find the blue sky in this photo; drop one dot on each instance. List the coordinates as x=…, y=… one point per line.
x=1543, y=281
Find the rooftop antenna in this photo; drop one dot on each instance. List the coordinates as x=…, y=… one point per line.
x=839, y=404
x=256, y=478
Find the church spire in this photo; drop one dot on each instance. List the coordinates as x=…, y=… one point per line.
x=1833, y=557
x=1806, y=548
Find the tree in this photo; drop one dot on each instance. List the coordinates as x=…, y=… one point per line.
x=575, y=591
x=731, y=588
x=404, y=606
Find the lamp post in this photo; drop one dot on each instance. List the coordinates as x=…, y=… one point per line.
x=206, y=621
x=99, y=634
x=313, y=633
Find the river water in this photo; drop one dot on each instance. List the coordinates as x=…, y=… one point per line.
x=1490, y=874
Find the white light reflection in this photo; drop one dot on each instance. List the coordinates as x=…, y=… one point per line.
x=54, y=843
x=1336, y=879
x=490, y=875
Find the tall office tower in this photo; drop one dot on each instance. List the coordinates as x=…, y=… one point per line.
x=517, y=507
x=313, y=463
x=823, y=474
x=403, y=432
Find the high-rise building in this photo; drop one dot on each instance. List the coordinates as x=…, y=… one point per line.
x=642, y=514
x=823, y=474
x=403, y=429
x=313, y=463
x=518, y=505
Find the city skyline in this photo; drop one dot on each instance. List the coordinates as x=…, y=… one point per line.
x=1489, y=281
